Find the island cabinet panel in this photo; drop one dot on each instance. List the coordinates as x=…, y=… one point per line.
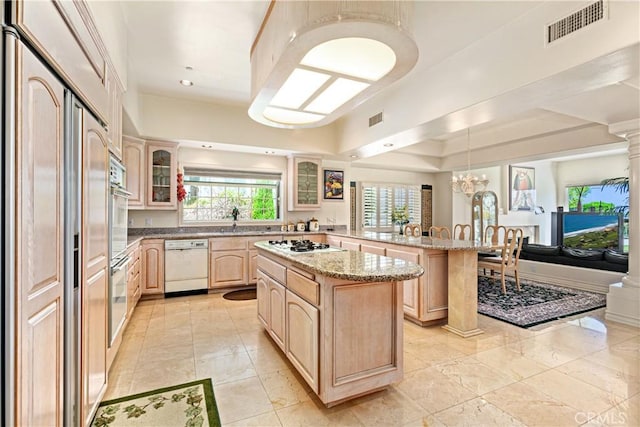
x=302, y=343
x=323, y=336
x=373, y=249
x=262, y=297
x=435, y=298
x=334, y=241
x=253, y=266
x=277, y=314
x=411, y=288
x=351, y=245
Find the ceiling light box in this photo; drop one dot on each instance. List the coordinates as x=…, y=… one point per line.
x=313, y=61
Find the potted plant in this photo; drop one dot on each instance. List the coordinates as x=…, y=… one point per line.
x=400, y=216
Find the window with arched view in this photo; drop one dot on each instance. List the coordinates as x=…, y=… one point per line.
x=212, y=196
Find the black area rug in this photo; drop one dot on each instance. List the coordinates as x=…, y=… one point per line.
x=537, y=302
x=241, y=295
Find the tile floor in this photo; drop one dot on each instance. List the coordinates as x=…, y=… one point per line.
x=578, y=371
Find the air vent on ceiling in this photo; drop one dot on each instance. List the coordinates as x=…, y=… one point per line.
x=580, y=19
x=374, y=120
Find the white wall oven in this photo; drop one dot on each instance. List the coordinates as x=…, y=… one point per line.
x=117, y=248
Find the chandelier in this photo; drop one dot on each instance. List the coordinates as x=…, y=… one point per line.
x=468, y=184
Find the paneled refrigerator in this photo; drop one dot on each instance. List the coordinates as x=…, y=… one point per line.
x=55, y=260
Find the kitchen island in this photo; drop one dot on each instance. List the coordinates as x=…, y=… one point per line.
x=449, y=288
x=337, y=315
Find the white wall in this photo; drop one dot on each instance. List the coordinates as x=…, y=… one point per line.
x=588, y=172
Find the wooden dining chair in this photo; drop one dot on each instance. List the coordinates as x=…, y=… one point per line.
x=462, y=232
x=494, y=235
x=507, y=262
x=440, y=232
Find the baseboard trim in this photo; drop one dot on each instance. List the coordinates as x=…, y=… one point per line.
x=586, y=279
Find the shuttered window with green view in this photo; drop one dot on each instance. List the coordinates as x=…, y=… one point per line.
x=213, y=194
x=384, y=204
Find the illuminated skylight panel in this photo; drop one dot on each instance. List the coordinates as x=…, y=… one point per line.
x=339, y=92
x=290, y=117
x=298, y=87
x=354, y=56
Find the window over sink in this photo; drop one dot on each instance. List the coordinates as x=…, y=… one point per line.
x=213, y=195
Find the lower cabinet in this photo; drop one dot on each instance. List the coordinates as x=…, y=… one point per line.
x=228, y=268
x=253, y=266
x=152, y=264
x=133, y=280
x=302, y=341
x=425, y=299
x=276, y=323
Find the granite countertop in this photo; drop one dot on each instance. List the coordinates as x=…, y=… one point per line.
x=418, y=242
x=349, y=265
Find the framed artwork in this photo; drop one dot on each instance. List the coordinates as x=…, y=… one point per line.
x=522, y=188
x=333, y=184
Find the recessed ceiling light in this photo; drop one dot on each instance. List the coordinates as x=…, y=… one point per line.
x=270, y=152
x=188, y=68
x=353, y=156
x=388, y=144
x=184, y=82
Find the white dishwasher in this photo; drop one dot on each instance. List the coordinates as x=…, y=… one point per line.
x=186, y=265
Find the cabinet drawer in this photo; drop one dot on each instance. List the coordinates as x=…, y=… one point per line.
x=272, y=268
x=227, y=243
x=303, y=287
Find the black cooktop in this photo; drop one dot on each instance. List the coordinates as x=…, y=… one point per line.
x=298, y=245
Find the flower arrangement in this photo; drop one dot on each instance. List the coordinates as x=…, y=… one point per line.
x=400, y=215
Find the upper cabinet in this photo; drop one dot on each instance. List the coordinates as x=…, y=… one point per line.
x=162, y=175
x=152, y=173
x=64, y=34
x=304, y=183
x=114, y=126
x=133, y=157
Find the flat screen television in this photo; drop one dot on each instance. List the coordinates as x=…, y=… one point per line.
x=588, y=230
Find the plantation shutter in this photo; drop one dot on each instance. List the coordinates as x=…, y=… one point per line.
x=379, y=201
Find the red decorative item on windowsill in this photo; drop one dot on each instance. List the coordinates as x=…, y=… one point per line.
x=182, y=193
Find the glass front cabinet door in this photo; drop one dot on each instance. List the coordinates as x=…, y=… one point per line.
x=484, y=212
x=162, y=175
x=304, y=183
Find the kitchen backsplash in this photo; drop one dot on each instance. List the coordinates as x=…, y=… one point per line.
x=218, y=229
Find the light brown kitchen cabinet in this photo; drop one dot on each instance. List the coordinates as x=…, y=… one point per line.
x=133, y=157
x=95, y=265
x=114, y=125
x=305, y=183
x=152, y=264
x=39, y=259
x=425, y=299
x=64, y=34
x=411, y=288
x=162, y=175
x=277, y=316
x=133, y=279
x=262, y=299
x=302, y=342
x=228, y=268
x=253, y=265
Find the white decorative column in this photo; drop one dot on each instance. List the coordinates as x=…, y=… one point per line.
x=623, y=299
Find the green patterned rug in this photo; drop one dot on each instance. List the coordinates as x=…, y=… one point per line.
x=191, y=405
